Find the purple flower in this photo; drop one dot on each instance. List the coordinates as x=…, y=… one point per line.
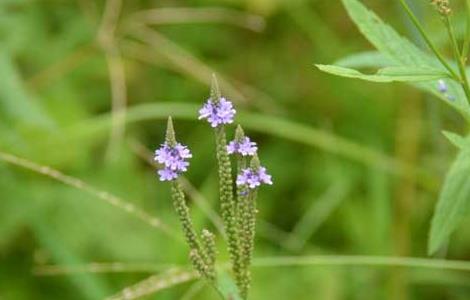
x=217, y=113
x=167, y=174
x=442, y=86
x=245, y=147
x=253, y=178
x=173, y=159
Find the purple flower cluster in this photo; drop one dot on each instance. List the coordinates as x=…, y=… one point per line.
x=253, y=178
x=245, y=147
x=222, y=112
x=173, y=159
x=217, y=113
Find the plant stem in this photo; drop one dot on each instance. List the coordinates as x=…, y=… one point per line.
x=227, y=204
x=428, y=41
x=466, y=44
x=458, y=57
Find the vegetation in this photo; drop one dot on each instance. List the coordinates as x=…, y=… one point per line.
x=361, y=206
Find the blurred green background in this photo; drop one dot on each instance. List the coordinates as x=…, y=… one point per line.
x=357, y=166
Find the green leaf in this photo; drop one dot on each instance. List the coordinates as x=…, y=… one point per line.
x=227, y=287
x=453, y=202
x=387, y=41
x=366, y=59
x=389, y=74
x=401, y=52
x=456, y=140
x=16, y=104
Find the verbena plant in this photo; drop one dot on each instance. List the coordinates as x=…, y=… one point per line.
x=433, y=73
x=238, y=208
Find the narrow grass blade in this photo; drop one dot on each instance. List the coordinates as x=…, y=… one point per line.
x=100, y=194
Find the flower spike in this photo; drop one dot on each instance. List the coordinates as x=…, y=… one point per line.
x=242, y=144
x=172, y=155
x=217, y=110
x=254, y=176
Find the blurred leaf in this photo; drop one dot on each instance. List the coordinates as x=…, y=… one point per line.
x=457, y=140
x=227, y=287
x=15, y=102
x=15, y=14
x=367, y=59
x=89, y=285
x=453, y=202
x=318, y=213
x=13, y=211
x=389, y=74
x=154, y=284
x=105, y=196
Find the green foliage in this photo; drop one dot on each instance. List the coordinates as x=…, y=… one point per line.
x=404, y=56
x=228, y=205
x=453, y=204
x=389, y=74
x=457, y=140
x=367, y=59
x=346, y=156
x=227, y=287
x=416, y=66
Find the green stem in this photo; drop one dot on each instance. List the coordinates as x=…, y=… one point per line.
x=182, y=210
x=466, y=44
x=243, y=215
x=458, y=57
x=227, y=203
x=428, y=41
x=248, y=233
x=198, y=256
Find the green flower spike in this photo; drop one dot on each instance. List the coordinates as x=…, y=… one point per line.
x=227, y=202
x=198, y=256
x=247, y=216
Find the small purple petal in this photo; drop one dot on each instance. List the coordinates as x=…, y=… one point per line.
x=246, y=147
x=173, y=159
x=218, y=113
x=232, y=147
x=264, y=177
x=253, y=178
x=167, y=174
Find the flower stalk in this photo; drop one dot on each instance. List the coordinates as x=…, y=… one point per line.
x=248, y=180
x=238, y=211
x=466, y=43
x=172, y=155
x=218, y=111
x=458, y=56
x=243, y=210
x=428, y=41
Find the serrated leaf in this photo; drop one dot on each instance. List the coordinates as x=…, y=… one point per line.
x=387, y=41
x=456, y=140
x=389, y=74
x=453, y=202
x=401, y=52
